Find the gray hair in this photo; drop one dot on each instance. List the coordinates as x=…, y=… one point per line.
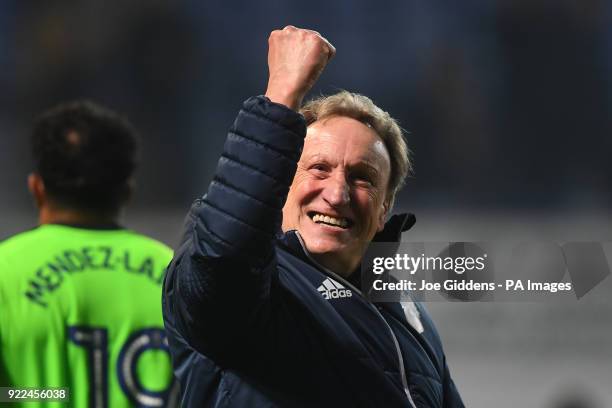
x=361, y=108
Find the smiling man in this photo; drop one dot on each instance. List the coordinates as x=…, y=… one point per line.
x=262, y=302
x=342, y=190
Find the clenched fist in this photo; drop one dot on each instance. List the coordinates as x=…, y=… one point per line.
x=296, y=58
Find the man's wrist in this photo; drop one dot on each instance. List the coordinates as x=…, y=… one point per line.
x=292, y=100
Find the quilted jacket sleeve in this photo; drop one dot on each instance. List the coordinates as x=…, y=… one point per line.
x=217, y=287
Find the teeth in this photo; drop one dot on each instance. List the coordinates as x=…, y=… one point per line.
x=342, y=222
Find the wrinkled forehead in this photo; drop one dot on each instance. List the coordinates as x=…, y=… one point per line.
x=340, y=136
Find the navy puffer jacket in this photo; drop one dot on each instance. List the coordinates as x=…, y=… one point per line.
x=253, y=321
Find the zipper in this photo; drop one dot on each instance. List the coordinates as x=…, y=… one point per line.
x=373, y=307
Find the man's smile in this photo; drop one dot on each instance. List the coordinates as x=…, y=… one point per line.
x=327, y=219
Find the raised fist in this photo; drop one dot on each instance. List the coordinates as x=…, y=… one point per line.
x=296, y=58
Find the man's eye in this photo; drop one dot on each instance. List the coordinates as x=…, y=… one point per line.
x=319, y=168
x=362, y=178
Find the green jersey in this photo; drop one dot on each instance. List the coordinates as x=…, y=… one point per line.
x=81, y=309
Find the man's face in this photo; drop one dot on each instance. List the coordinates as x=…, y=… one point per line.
x=337, y=200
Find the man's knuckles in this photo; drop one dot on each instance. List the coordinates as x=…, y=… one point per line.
x=291, y=32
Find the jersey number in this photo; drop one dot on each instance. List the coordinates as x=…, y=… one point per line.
x=95, y=341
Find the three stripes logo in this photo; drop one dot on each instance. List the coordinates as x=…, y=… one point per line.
x=331, y=289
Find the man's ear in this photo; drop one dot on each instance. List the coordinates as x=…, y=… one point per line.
x=383, y=215
x=36, y=186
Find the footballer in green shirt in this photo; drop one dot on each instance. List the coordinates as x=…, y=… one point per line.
x=80, y=296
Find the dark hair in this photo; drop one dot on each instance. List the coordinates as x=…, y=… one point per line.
x=86, y=156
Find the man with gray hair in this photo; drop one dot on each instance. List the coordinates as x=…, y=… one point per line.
x=258, y=317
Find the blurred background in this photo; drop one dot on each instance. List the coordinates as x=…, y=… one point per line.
x=507, y=105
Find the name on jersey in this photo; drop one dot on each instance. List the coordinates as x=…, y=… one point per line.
x=50, y=275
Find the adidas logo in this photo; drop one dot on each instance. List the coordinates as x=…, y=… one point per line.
x=331, y=289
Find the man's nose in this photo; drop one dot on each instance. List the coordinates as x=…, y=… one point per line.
x=336, y=191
